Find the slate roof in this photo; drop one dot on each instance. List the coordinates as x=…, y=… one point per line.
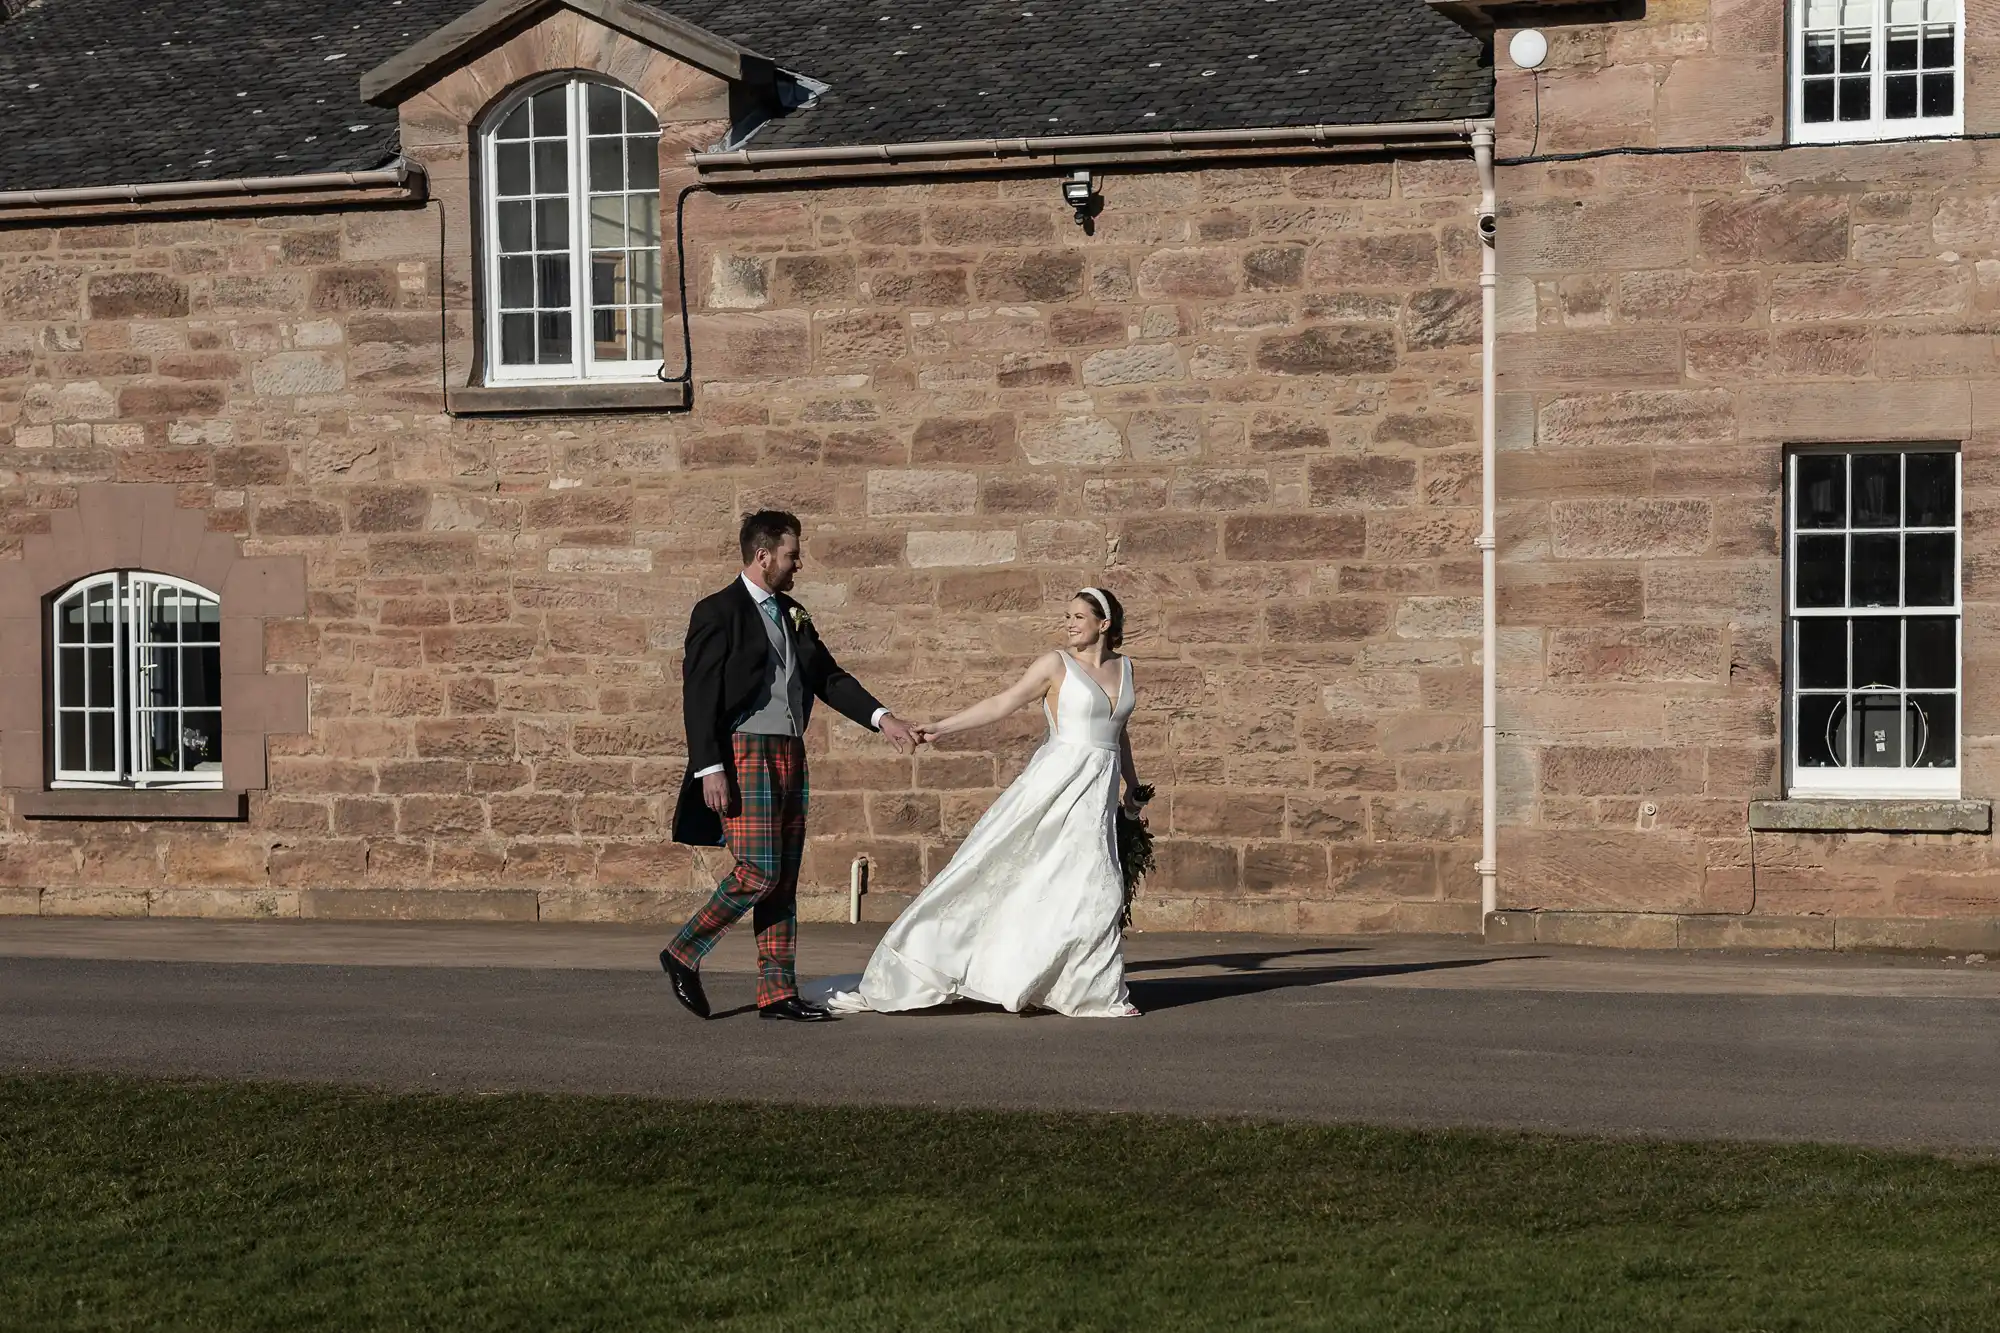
x=110, y=92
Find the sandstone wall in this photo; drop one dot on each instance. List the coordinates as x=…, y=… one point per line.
x=1248, y=404
x=1668, y=325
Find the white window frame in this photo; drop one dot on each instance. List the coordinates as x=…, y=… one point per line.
x=582, y=365
x=129, y=599
x=1906, y=783
x=1878, y=126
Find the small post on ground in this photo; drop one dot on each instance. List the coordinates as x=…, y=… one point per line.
x=857, y=877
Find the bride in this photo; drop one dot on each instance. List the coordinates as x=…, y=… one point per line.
x=1027, y=913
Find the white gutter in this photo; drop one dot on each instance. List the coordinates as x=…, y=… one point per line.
x=1489, y=776
x=388, y=177
x=1166, y=140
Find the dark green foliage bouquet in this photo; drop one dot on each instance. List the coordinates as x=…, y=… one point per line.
x=1135, y=850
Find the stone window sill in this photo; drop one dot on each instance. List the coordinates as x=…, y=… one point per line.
x=534, y=399
x=108, y=803
x=1854, y=816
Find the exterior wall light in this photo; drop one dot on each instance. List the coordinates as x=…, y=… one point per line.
x=1078, y=194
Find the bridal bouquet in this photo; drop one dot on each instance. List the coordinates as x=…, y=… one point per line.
x=1135, y=850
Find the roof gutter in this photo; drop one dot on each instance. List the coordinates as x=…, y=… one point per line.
x=402, y=180
x=1082, y=147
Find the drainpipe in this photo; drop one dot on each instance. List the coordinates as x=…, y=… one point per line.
x=1489, y=777
x=397, y=176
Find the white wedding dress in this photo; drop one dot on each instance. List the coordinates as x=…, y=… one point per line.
x=1027, y=913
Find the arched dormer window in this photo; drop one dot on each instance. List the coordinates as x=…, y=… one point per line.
x=136, y=692
x=572, y=235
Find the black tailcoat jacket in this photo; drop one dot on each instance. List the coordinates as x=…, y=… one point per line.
x=725, y=664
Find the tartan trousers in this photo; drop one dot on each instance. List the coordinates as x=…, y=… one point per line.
x=767, y=836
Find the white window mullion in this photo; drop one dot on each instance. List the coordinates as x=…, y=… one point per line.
x=579, y=229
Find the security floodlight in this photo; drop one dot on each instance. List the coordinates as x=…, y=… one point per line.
x=1079, y=196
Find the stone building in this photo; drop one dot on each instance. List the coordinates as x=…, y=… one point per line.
x=380, y=384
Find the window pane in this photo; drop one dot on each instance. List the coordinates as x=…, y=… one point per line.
x=1937, y=95
x=552, y=337
x=100, y=620
x=1928, y=579
x=1853, y=99
x=1876, y=577
x=1878, y=736
x=1931, y=653
x=1933, y=739
x=201, y=677
x=552, y=224
x=642, y=163
x=1818, y=99
x=1820, y=739
x=1900, y=52
x=643, y=209
x=552, y=111
x=207, y=623
x=552, y=282
x=163, y=751
x=607, y=278
x=1931, y=501
x=70, y=751
x=511, y=168
x=69, y=677
x=160, y=677
x=1856, y=53
x=517, y=282
x=643, y=270
x=1822, y=653
x=1878, y=653
x=638, y=120
x=103, y=749
x=516, y=234
x=1877, y=491
x=607, y=165
x=551, y=166
x=608, y=335
x=646, y=333
x=1822, y=482
x=70, y=622
x=99, y=689
x=604, y=102
x=1899, y=96
x=516, y=124
x=607, y=223
x=201, y=741
x=517, y=340
x=1822, y=577
x=1938, y=44
x=1819, y=53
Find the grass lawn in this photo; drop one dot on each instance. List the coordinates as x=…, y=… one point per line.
x=129, y=1204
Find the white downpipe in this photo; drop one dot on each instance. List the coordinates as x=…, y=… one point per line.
x=1489, y=775
x=855, y=871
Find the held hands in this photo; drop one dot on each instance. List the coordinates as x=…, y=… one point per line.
x=901, y=734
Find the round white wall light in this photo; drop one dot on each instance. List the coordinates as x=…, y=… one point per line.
x=1528, y=49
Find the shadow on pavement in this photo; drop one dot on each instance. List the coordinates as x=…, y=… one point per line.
x=1242, y=962
x=1152, y=995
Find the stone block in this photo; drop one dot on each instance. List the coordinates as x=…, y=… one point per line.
x=921, y=491
x=418, y=904
x=1879, y=293
x=1637, y=417
x=1631, y=358
x=137, y=295
x=1613, y=233
x=1599, y=529
x=1328, y=350
x=1902, y=410
x=1756, y=932
x=1077, y=439
x=1638, y=653
x=928, y=550
x=1609, y=930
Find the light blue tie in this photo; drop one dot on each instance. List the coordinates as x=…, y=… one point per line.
x=770, y=608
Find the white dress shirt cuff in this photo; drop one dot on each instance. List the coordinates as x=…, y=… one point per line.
x=712, y=768
x=876, y=721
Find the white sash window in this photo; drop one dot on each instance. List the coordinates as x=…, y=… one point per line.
x=137, y=683
x=1872, y=622
x=571, y=176
x=1876, y=69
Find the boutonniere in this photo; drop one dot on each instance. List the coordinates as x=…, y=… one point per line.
x=800, y=617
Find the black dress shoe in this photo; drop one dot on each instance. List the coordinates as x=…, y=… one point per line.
x=796, y=1010
x=687, y=985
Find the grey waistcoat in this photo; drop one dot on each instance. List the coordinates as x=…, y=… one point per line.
x=781, y=702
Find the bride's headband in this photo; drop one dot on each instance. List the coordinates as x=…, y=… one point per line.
x=1097, y=595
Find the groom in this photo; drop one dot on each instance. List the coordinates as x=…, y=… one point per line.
x=753, y=665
